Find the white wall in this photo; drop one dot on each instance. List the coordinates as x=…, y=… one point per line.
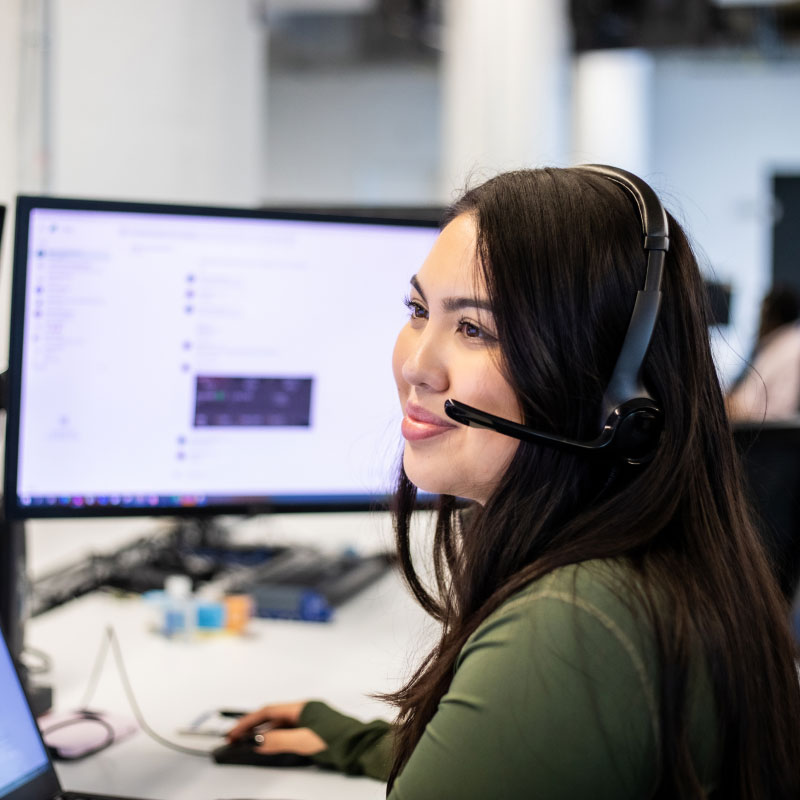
x=506, y=88
x=612, y=109
x=721, y=127
x=157, y=100
x=9, y=80
x=366, y=135
x=10, y=46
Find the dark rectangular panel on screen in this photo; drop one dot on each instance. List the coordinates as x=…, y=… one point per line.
x=176, y=359
x=252, y=402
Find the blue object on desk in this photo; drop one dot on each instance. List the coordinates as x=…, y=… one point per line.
x=174, y=619
x=210, y=615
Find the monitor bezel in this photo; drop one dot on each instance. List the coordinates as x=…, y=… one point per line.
x=284, y=504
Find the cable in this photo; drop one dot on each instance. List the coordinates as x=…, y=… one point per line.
x=96, y=671
x=85, y=716
x=110, y=639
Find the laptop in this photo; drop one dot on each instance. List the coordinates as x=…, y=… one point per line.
x=26, y=770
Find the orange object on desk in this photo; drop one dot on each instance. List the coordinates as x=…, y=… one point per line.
x=238, y=610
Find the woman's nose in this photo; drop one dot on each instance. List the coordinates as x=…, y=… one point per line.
x=425, y=364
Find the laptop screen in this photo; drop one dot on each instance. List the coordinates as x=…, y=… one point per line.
x=23, y=757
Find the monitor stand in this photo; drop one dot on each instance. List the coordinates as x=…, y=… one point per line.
x=13, y=588
x=203, y=540
x=12, y=584
x=199, y=532
x=199, y=547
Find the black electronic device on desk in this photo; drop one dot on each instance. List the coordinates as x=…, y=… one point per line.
x=308, y=584
x=244, y=752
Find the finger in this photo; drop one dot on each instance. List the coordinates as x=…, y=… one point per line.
x=283, y=714
x=249, y=721
x=302, y=741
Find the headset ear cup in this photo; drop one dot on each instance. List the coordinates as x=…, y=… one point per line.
x=637, y=430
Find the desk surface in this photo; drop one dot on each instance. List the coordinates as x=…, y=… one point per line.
x=373, y=642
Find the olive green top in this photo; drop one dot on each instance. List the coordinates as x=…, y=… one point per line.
x=555, y=695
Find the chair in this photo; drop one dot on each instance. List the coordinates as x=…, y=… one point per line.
x=770, y=453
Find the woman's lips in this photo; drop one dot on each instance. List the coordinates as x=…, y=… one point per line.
x=419, y=424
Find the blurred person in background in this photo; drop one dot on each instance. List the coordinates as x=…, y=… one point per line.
x=769, y=387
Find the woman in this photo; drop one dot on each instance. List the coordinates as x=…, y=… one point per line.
x=608, y=629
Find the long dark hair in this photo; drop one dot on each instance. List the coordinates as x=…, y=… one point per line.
x=561, y=255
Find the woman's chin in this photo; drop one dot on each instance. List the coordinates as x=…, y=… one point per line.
x=425, y=478
x=429, y=478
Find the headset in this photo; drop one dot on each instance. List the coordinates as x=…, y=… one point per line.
x=631, y=419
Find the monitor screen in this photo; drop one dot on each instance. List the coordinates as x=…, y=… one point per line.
x=169, y=359
x=23, y=757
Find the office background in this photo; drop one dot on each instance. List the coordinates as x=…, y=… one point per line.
x=368, y=103
x=401, y=102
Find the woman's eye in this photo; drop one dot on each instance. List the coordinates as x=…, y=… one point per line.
x=415, y=310
x=471, y=330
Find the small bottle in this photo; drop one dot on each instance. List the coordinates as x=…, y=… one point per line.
x=179, y=608
x=209, y=609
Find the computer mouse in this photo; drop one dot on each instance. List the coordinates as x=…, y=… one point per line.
x=244, y=751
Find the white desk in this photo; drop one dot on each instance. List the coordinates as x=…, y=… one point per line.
x=373, y=642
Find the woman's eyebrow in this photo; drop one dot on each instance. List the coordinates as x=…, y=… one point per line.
x=459, y=303
x=450, y=304
x=415, y=283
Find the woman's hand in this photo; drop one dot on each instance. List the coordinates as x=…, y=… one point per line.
x=277, y=724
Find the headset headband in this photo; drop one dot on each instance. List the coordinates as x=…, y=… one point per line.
x=631, y=419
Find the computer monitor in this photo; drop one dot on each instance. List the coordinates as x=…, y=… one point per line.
x=184, y=360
